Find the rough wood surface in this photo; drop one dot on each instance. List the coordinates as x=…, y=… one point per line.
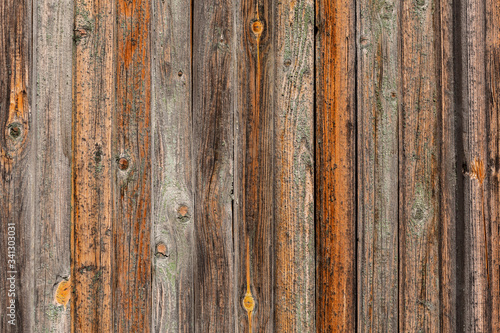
x=335, y=167
x=473, y=279
x=213, y=120
x=92, y=166
x=294, y=166
x=131, y=144
x=253, y=187
x=493, y=168
x=16, y=167
x=52, y=119
x=377, y=121
x=418, y=171
x=446, y=51
x=173, y=208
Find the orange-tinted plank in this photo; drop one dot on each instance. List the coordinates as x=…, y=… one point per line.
x=335, y=166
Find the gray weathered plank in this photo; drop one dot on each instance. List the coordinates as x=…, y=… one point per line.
x=52, y=117
x=377, y=121
x=172, y=203
x=17, y=167
x=213, y=114
x=294, y=166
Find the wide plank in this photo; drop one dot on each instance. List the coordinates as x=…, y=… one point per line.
x=294, y=300
x=172, y=160
x=17, y=167
x=52, y=117
x=335, y=177
x=377, y=156
x=213, y=126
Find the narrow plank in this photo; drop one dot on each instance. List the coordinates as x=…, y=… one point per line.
x=53, y=63
x=254, y=166
x=213, y=121
x=131, y=148
x=474, y=312
x=92, y=164
x=16, y=167
x=493, y=126
x=377, y=119
x=172, y=168
x=418, y=172
x=449, y=171
x=294, y=166
x=335, y=166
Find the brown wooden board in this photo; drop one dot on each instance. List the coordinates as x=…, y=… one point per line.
x=253, y=160
x=173, y=204
x=53, y=38
x=17, y=167
x=377, y=156
x=335, y=177
x=213, y=126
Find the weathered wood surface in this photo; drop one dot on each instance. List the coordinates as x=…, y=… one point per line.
x=173, y=204
x=111, y=264
x=52, y=121
x=335, y=166
x=294, y=166
x=215, y=292
x=17, y=167
x=253, y=178
x=377, y=156
x=206, y=166
x=418, y=170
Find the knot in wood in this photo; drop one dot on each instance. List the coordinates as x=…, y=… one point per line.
x=123, y=164
x=257, y=28
x=248, y=302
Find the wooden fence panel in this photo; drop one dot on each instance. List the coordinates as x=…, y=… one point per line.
x=17, y=167
x=52, y=121
x=173, y=204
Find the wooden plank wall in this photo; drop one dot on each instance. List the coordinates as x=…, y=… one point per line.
x=249, y=166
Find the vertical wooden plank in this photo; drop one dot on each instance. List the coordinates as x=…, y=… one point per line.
x=474, y=281
x=377, y=123
x=213, y=103
x=335, y=166
x=446, y=50
x=16, y=167
x=254, y=166
x=172, y=168
x=418, y=172
x=294, y=166
x=53, y=62
x=92, y=166
x=493, y=126
x=131, y=147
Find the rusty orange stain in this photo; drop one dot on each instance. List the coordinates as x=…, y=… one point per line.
x=477, y=172
x=63, y=293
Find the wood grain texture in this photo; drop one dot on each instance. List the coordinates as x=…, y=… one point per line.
x=254, y=184
x=93, y=162
x=473, y=279
x=377, y=121
x=213, y=126
x=131, y=142
x=335, y=166
x=294, y=166
x=449, y=170
x=173, y=208
x=16, y=167
x=52, y=119
x=493, y=169
x=418, y=171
